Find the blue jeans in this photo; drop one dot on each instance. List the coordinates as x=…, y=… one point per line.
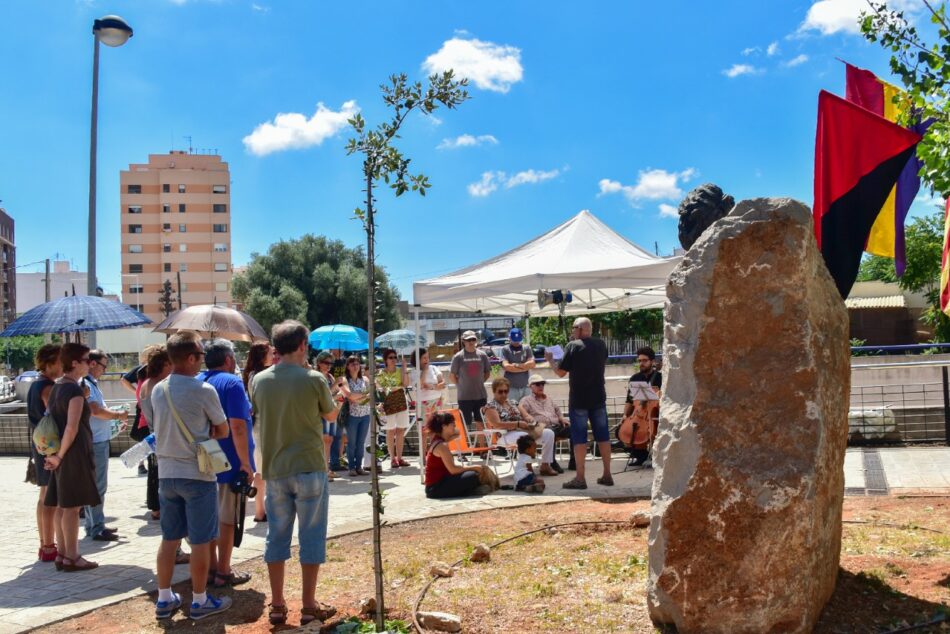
x=598, y=424
x=189, y=509
x=335, y=448
x=356, y=429
x=95, y=515
x=304, y=497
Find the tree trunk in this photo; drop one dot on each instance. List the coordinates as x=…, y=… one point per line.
x=371, y=367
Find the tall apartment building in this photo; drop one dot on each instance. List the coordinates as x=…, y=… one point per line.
x=8, y=273
x=176, y=219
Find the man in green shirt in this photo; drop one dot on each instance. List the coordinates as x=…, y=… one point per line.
x=291, y=402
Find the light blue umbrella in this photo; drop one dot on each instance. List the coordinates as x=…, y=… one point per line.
x=402, y=341
x=76, y=313
x=339, y=336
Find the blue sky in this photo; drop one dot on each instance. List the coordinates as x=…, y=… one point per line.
x=615, y=107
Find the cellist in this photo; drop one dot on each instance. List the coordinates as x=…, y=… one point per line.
x=646, y=359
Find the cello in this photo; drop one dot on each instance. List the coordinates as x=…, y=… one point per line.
x=638, y=430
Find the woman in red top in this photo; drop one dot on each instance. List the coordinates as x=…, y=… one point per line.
x=444, y=478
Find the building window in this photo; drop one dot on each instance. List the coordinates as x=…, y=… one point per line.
x=182, y=229
x=166, y=188
x=220, y=247
x=134, y=189
x=138, y=307
x=219, y=209
x=135, y=268
x=135, y=248
x=183, y=267
x=219, y=228
x=168, y=267
x=166, y=227
x=181, y=208
x=184, y=289
x=167, y=248
x=166, y=208
x=181, y=189
x=135, y=209
x=221, y=287
x=183, y=247
x=221, y=267
x=135, y=228
x=136, y=288
x=219, y=189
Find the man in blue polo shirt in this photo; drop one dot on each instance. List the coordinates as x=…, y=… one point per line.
x=239, y=448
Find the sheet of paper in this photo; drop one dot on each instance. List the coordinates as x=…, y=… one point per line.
x=641, y=391
x=557, y=352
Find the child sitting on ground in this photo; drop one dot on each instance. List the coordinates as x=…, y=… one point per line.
x=525, y=479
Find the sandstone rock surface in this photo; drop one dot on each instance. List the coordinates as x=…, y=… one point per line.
x=639, y=519
x=441, y=569
x=749, y=484
x=439, y=621
x=481, y=553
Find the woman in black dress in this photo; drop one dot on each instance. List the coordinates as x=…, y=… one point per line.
x=50, y=369
x=74, y=483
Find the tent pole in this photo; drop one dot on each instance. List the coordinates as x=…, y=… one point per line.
x=527, y=327
x=419, y=421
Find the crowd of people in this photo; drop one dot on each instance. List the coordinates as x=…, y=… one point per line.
x=286, y=428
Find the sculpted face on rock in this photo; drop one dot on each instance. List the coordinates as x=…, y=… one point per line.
x=749, y=482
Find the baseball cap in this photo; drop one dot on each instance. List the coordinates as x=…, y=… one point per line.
x=536, y=378
x=516, y=335
x=469, y=334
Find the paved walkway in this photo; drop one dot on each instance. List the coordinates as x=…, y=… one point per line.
x=34, y=594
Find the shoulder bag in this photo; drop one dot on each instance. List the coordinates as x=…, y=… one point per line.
x=211, y=458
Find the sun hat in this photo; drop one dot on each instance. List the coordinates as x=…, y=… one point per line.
x=469, y=335
x=536, y=378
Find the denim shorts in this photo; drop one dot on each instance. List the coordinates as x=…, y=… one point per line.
x=598, y=424
x=306, y=498
x=189, y=509
x=329, y=429
x=528, y=480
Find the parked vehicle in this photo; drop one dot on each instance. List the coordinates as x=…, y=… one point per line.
x=7, y=389
x=22, y=384
x=492, y=348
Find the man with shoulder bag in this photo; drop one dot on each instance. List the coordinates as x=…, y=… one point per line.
x=187, y=417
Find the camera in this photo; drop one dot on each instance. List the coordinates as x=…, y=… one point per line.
x=242, y=487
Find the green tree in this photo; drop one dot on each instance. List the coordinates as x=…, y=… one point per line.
x=924, y=246
x=316, y=280
x=166, y=298
x=19, y=352
x=382, y=160
x=924, y=70
x=626, y=324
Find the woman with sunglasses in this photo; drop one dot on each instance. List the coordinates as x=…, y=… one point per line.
x=73, y=484
x=431, y=384
x=325, y=367
x=392, y=383
x=355, y=389
x=259, y=358
x=502, y=414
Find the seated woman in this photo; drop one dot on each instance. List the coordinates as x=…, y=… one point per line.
x=444, y=478
x=500, y=413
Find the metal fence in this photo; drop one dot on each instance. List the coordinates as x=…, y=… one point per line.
x=906, y=402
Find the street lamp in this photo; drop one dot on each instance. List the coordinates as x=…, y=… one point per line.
x=112, y=31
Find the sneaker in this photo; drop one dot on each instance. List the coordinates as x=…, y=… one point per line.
x=165, y=609
x=211, y=607
x=575, y=484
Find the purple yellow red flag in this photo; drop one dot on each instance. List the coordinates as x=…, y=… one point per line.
x=887, y=235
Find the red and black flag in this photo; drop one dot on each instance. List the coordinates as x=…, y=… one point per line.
x=858, y=157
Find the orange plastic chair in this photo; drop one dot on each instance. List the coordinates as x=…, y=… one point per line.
x=462, y=444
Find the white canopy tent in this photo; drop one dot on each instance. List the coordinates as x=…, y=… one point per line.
x=605, y=271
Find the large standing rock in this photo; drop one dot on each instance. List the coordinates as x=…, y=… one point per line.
x=746, y=530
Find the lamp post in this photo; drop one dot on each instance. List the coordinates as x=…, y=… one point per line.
x=113, y=31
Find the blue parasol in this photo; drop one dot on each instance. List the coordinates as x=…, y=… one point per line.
x=402, y=341
x=76, y=313
x=339, y=336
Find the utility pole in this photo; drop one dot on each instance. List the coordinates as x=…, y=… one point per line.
x=46, y=282
x=179, y=290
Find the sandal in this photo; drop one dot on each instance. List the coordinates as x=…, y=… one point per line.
x=322, y=612
x=231, y=579
x=78, y=564
x=182, y=557
x=261, y=519
x=59, y=560
x=403, y=463
x=606, y=481
x=277, y=614
x=48, y=553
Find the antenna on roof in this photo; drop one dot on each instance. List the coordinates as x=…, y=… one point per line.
x=190, y=149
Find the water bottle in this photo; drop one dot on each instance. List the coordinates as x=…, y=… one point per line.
x=138, y=452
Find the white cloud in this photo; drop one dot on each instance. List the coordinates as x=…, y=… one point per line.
x=467, y=140
x=741, y=69
x=652, y=184
x=797, y=61
x=292, y=130
x=260, y=8
x=491, y=181
x=750, y=50
x=669, y=211
x=487, y=65
x=842, y=16
x=772, y=49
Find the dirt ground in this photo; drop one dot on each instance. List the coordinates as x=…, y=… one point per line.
x=894, y=573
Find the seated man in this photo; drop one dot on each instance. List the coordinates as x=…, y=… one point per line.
x=648, y=373
x=542, y=409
